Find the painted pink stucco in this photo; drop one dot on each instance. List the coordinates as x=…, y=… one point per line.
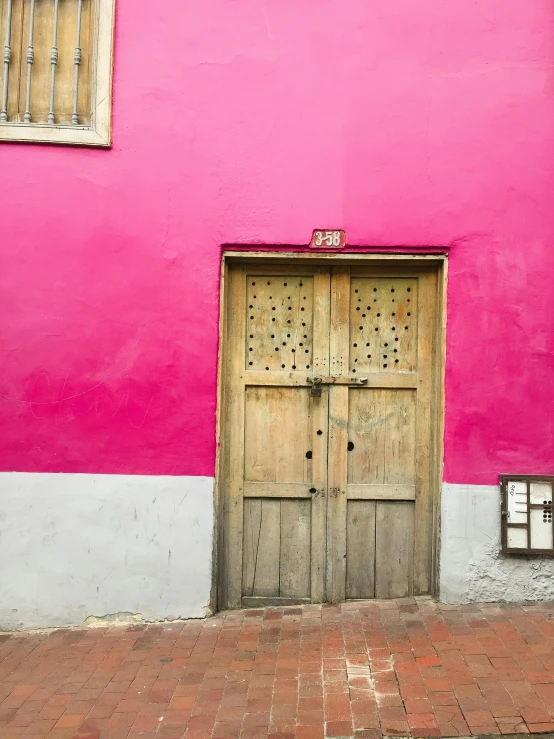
x=414, y=123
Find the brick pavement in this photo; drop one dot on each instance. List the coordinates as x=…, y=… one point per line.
x=401, y=667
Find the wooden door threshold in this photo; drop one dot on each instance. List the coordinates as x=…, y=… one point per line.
x=265, y=602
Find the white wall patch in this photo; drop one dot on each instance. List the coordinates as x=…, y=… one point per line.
x=74, y=546
x=472, y=567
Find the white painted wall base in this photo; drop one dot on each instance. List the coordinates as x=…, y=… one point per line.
x=79, y=546
x=472, y=569
x=74, y=546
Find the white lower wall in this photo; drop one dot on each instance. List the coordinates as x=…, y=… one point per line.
x=74, y=546
x=472, y=569
x=79, y=546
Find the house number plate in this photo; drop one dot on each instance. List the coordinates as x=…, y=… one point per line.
x=326, y=239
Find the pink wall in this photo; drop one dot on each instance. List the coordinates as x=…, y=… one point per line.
x=415, y=122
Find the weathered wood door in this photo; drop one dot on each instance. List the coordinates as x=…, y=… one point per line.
x=328, y=431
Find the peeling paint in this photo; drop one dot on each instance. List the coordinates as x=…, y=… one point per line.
x=114, y=619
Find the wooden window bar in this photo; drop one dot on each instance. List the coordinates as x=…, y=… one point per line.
x=7, y=60
x=27, y=74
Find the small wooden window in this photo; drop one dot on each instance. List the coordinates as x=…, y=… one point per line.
x=527, y=520
x=55, y=79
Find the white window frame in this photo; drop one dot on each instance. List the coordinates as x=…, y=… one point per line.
x=99, y=132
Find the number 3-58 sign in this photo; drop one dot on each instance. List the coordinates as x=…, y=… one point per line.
x=328, y=239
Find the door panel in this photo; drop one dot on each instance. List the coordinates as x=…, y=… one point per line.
x=262, y=545
x=276, y=551
x=327, y=492
x=276, y=437
x=360, y=549
x=295, y=549
x=278, y=433
x=380, y=436
x=394, y=547
x=380, y=467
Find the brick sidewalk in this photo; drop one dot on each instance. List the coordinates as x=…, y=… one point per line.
x=397, y=667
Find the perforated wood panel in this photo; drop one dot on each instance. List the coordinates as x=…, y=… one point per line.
x=383, y=324
x=279, y=327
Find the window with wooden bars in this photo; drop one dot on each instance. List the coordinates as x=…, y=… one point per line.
x=55, y=79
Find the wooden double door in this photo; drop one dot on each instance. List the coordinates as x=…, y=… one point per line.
x=328, y=434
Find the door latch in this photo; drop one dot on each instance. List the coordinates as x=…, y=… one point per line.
x=317, y=382
x=315, y=391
